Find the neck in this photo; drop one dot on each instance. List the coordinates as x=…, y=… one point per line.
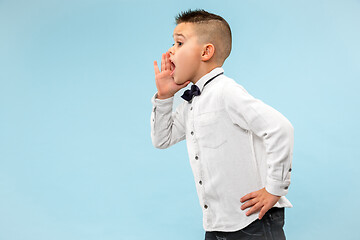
x=203, y=70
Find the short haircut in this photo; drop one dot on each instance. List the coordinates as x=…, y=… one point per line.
x=210, y=28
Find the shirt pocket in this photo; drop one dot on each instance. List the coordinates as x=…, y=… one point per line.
x=211, y=132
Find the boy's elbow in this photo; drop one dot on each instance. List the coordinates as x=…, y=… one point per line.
x=159, y=144
x=288, y=127
x=285, y=130
x=288, y=131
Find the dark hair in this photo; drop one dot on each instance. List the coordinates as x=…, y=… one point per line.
x=197, y=16
x=211, y=28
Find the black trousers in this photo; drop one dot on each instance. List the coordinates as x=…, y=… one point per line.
x=270, y=227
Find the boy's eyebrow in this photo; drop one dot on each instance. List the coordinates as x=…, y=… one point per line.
x=179, y=34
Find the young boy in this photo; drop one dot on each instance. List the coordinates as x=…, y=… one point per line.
x=240, y=149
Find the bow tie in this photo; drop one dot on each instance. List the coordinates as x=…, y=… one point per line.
x=195, y=91
x=189, y=94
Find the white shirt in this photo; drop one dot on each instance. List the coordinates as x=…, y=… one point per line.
x=236, y=143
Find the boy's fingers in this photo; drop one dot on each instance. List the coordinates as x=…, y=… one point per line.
x=248, y=204
x=247, y=197
x=167, y=61
x=254, y=209
x=156, y=68
x=263, y=211
x=163, y=62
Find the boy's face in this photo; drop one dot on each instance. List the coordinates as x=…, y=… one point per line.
x=185, y=54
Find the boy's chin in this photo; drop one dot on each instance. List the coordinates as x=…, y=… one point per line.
x=179, y=81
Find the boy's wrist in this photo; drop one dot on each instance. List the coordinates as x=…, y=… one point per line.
x=277, y=188
x=162, y=106
x=158, y=96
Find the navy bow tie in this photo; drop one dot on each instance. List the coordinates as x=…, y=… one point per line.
x=195, y=91
x=189, y=94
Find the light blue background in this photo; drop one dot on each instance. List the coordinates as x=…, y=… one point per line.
x=76, y=79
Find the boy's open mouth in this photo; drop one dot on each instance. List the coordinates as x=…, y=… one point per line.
x=172, y=68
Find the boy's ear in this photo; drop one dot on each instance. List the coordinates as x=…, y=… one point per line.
x=207, y=52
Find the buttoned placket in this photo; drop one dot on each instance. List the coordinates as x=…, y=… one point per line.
x=198, y=163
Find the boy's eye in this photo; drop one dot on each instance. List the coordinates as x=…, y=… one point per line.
x=178, y=43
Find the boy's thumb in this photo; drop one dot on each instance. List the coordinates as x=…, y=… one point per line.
x=185, y=84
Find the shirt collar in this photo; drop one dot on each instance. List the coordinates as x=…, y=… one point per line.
x=201, y=82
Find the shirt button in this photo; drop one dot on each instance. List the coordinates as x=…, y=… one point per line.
x=196, y=157
x=290, y=170
x=190, y=108
x=192, y=133
x=205, y=206
x=200, y=182
x=153, y=120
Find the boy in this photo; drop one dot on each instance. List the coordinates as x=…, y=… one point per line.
x=240, y=149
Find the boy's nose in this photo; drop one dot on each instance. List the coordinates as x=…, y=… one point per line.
x=171, y=50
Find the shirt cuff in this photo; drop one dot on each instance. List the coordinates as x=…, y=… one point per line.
x=162, y=105
x=276, y=187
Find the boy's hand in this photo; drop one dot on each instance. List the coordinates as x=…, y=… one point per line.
x=165, y=83
x=259, y=200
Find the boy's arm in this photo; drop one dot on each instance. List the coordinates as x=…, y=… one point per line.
x=167, y=128
x=278, y=135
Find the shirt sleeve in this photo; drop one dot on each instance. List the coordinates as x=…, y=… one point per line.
x=167, y=127
x=270, y=125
